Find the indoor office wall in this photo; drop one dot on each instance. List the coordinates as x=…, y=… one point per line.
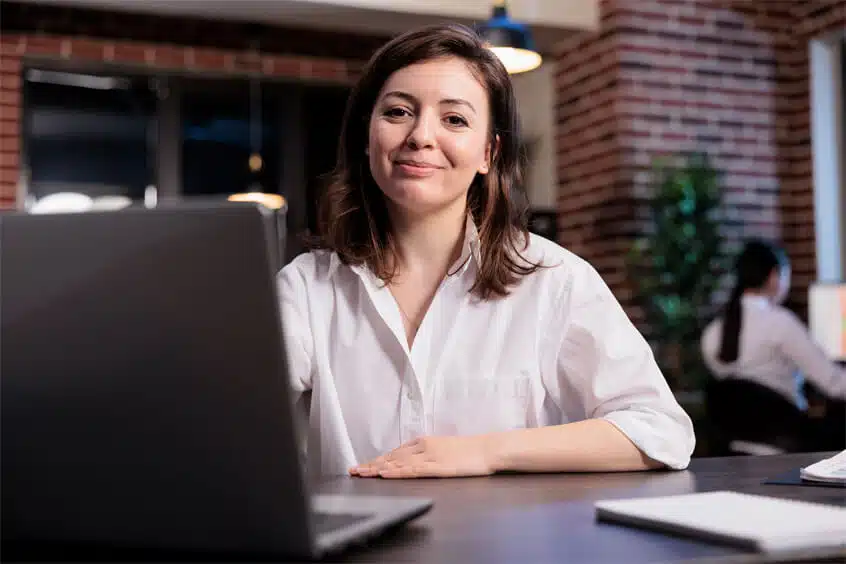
x=180, y=110
x=729, y=78
x=306, y=64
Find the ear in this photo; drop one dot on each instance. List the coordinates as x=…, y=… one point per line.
x=491, y=151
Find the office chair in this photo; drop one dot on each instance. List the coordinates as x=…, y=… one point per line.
x=748, y=418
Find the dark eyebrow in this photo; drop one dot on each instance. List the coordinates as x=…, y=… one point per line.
x=451, y=101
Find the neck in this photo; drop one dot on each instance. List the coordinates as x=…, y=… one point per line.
x=430, y=242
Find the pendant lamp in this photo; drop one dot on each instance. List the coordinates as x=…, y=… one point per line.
x=511, y=41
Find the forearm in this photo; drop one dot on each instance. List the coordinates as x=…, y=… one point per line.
x=593, y=445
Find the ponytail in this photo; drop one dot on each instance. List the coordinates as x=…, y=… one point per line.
x=732, y=320
x=754, y=266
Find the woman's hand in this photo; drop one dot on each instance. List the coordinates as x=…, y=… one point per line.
x=432, y=457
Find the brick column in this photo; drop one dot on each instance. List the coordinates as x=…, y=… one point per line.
x=659, y=77
x=10, y=120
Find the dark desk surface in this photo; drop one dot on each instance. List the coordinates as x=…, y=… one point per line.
x=550, y=518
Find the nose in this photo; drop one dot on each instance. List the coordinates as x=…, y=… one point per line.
x=422, y=135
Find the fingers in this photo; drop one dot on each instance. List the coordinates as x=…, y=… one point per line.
x=412, y=467
x=415, y=446
x=400, y=456
x=408, y=471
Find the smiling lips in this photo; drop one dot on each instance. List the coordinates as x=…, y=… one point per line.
x=415, y=169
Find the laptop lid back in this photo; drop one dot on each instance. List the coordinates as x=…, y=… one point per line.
x=144, y=385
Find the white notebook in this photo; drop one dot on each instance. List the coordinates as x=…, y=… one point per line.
x=765, y=524
x=831, y=470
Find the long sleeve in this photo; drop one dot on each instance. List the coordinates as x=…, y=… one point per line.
x=797, y=345
x=606, y=369
x=299, y=343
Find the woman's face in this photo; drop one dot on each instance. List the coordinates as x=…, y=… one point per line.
x=429, y=135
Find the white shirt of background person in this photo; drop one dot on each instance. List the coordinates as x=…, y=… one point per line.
x=772, y=346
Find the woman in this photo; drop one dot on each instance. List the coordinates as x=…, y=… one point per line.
x=435, y=335
x=759, y=340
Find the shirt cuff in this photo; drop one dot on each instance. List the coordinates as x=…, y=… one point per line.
x=657, y=435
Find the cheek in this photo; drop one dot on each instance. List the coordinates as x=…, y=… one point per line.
x=466, y=151
x=384, y=139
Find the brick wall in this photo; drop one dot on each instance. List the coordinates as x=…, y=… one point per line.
x=33, y=34
x=727, y=77
x=809, y=20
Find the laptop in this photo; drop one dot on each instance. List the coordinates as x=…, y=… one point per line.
x=144, y=399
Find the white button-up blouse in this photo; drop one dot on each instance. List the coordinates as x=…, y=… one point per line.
x=558, y=349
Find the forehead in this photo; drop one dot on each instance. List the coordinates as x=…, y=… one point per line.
x=438, y=79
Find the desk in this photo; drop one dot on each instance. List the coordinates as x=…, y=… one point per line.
x=550, y=518
x=538, y=519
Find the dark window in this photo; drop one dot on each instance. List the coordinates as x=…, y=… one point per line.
x=88, y=134
x=219, y=126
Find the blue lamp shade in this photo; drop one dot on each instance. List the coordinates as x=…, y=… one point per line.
x=511, y=41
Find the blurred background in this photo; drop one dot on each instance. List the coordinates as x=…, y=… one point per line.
x=660, y=134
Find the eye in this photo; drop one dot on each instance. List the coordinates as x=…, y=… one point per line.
x=396, y=113
x=456, y=121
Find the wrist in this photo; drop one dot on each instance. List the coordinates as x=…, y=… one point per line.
x=494, y=451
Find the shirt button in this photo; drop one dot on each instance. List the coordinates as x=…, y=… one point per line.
x=410, y=394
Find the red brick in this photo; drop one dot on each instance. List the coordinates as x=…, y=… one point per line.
x=10, y=81
x=10, y=64
x=9, y=143
x=208, y=59
x=288, y=67
x=43, y=45
x=12, y=45
x=9, y=177
x=132, y=53
x=90, y=49
x=10, y=117
x=10, y=98
x=8, y=193
x=328, y=70
x=170, y=56
x=9, y=160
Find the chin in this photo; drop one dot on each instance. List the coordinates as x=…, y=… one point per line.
x=415, y=195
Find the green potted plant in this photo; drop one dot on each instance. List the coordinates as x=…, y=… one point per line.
x=676, y=264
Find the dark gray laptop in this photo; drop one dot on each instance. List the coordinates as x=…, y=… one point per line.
x=145, y=400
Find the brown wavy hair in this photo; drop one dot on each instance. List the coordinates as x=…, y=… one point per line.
x=353, y=217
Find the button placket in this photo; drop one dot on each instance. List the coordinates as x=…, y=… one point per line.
x=411, y=407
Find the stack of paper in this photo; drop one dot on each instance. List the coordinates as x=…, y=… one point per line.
x=831, y=470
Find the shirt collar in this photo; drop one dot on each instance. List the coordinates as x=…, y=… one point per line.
x=757, y=301
x=470, y=249
x=470, y=252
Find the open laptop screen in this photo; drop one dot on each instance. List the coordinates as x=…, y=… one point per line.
x=827, y=318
